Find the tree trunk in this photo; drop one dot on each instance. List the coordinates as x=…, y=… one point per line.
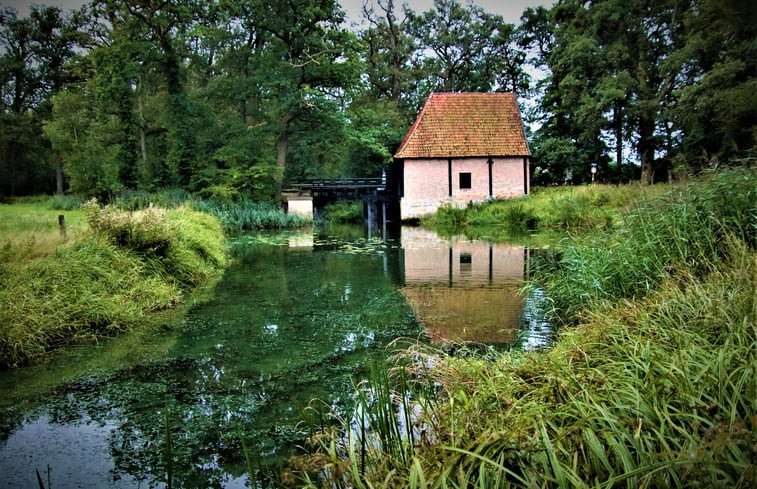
x=619, y=141
x=282, y=146
x=646, y=150
x=59, y=177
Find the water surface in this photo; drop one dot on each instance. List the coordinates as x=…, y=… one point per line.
x=293, y=320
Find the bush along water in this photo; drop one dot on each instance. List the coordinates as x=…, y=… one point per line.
x=652, y=384
x=344, y=212
x=128, y=265
x=553, y=208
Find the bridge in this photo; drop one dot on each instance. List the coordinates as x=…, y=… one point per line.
x=344, y=188
x=377, y=194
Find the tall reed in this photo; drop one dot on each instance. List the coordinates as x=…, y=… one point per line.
x=686, y=228
x=247, y=215
x=235, y=215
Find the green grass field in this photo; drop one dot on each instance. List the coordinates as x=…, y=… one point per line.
x=36, y=226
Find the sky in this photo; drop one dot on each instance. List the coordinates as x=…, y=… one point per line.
x=511, y=10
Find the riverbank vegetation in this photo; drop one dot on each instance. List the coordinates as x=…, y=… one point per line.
x=545, y=209
x=344, y=212
x=104, y=278
x=649, y=383
x=240, y=213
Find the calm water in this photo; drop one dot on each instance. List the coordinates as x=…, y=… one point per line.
x=293, y=320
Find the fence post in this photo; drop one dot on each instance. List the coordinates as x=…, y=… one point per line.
x=62, y=225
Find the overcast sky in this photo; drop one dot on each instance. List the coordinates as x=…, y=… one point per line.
x=509, y=9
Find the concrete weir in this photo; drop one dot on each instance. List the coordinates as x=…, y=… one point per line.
x=300, y=205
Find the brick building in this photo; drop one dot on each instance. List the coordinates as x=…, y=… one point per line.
x=462, y=148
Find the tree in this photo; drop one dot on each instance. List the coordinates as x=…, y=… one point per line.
x=467, y=49
x=32, y=69
x=387, y=50
x=616, y=84
x=309, y=63
x=716, y=111
x=87, y=139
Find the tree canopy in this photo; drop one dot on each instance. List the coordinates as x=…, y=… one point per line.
x=238, y=97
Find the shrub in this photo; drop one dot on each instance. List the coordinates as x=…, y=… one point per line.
x=63, y=202
x=183, y=244
x=344, y=212
x=450, y=216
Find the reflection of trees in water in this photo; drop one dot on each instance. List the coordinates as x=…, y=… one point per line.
x=283, y=328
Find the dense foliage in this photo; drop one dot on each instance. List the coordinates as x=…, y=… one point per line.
x=234, y=99
x=669, y=82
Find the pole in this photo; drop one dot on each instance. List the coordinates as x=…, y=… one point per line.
x=62, y=225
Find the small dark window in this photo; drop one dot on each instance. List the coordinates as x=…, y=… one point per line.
x=465, y=180
x=466, y=263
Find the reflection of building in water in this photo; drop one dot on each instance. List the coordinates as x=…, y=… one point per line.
x=463, y=290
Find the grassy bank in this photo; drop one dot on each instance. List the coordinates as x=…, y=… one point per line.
x=650, y=383
x=104, y=278
x=551, y=208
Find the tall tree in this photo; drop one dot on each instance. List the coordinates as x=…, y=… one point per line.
x=467, y=49
x=716, y=109
x=614, y=84
x=309, y=61
x=32, y=69
x=388, y=51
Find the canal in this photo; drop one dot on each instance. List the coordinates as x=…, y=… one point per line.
x=294, y=319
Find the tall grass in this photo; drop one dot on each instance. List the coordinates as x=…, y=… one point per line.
x=584, y=207
x=247, y=215
x=35, y=226
x=380, y=432
x=168, y=198
x=104, y=282
x=653, y=387
x=686, y=228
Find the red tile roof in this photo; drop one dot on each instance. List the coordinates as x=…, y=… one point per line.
x=466, y=124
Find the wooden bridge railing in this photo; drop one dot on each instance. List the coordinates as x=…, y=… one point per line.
x=340, y=183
